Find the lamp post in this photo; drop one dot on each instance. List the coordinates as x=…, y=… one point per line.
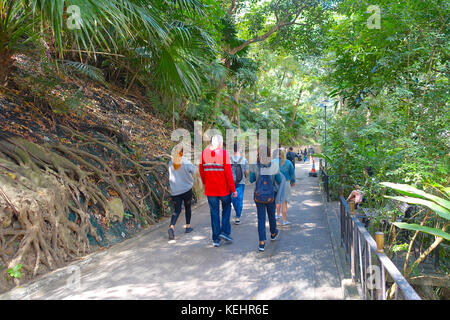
x=324, y=104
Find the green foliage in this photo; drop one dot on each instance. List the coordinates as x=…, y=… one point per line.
x=400, y=247
x=15, y=272
x=86, y=70
x=438, y=205
x=389, y=95
x=434, y=231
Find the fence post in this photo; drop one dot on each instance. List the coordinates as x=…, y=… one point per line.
x=353, y=232
x=379, y=238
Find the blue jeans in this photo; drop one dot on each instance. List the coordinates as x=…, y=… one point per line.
x=214, y=207
x=238, y=201
x=261, y=209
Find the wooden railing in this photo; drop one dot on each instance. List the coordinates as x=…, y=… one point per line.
x=369, y=264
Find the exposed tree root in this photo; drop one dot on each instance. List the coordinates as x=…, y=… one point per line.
x=42, y=185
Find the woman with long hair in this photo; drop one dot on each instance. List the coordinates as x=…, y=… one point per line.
x=181, y=180
x=288, y=171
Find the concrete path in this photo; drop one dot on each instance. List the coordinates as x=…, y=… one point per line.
x=300, y=265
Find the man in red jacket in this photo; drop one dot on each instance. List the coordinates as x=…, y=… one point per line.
x=217, y=177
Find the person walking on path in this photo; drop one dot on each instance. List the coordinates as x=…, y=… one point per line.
x=288, y=172
x=217, y=177
x=300, y=155
x=281, y=188
x=181, y=180
x=311, y=152
x=290, y=155
x=267, y=176
x=305, y=155
x=240, y=169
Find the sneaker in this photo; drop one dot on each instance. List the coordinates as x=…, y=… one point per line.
x=187, y=230
x=274, y=237
x=285, y=223
x=225, y=237
x=261, y=247
x=171, y=234
x=216, y=244
x=237, y=221
x=278, y=217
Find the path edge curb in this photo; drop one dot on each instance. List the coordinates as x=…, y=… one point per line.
x=46, y=280
x=349, y=289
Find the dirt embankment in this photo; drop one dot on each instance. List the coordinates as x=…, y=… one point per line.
x=81, y=167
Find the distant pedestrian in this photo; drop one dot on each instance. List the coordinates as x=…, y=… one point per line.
x=267, y=176
x=300, y=155
x=356, y=196
x=305, y=155
x=240, y=169
x=181, y=180
x=290, y=155
x=284, y=196
x=311, y=152
x=217, y=177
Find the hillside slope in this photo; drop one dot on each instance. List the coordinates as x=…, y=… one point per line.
x=81, y=167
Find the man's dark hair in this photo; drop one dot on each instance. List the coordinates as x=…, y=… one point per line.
x=291, y=149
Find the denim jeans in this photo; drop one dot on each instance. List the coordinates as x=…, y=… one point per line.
x=238, y=201
x=261, y=209
x=214, y=207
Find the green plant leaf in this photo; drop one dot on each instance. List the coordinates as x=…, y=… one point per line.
x=442, y=212
x=429, y=230
x=320, y=155
x=15, y=272
x=400, y=247
x=414, y=192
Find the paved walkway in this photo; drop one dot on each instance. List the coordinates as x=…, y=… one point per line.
x=300, y=265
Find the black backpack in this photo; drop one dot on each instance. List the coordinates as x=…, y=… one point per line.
x=290, y=156
x=238, y=174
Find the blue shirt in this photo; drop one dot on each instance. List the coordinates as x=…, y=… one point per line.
x=288, y=170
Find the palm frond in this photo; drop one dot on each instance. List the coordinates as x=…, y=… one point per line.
x=86, y=70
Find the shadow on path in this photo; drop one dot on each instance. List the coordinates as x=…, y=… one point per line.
x=300, y=265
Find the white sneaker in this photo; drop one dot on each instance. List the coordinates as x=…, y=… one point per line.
x=285, y=223
x=278, y=217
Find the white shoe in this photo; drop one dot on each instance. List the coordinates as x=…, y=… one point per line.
x=278, y=217
x=285, y=223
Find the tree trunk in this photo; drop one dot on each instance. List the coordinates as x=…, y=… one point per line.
x=281, y=82
x=219, y=90
x=6, y=63
x=295, y=109
x=217, y=100
x=237, y=94
x=238, y=118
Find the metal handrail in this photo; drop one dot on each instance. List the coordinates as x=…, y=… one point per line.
x=325, y=180
x=361, y=249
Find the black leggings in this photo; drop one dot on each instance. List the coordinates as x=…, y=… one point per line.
x=178, y=200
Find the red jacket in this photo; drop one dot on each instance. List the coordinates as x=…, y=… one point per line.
x=216, y=174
